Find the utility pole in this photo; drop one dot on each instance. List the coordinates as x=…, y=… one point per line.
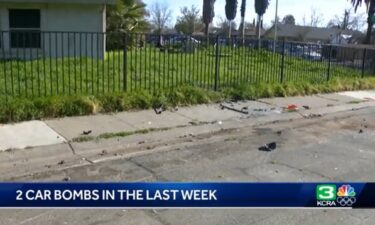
x=276, y=21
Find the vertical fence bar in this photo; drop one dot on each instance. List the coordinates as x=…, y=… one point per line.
x=4, y=66
x=329, y=63
x=282, y=63
x=217, y=61
x=125, y=64
x=364, y=62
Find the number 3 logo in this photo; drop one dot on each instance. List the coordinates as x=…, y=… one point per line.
x=326, y=192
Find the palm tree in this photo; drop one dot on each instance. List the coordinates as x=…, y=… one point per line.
x=260, y=8
x=208, y=14
x=371, y=15
x=127, y=16
x=243, y=12
x=230, y=12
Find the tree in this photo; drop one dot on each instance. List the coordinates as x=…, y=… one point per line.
x=160, y=16
x=225, y=26
x=260, y=8
x=230, y=12
x=243, y=12
x=371, y=13
x=316, y=18
x=127, y=16
x=347, y=21
x=208, y=14
x=189, y=21
x=289, y=20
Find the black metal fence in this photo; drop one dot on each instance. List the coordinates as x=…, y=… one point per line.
x=36, y=64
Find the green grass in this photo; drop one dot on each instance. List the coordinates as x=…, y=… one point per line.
x=21, y=109
x=152, y=70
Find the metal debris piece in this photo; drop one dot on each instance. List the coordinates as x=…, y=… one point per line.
x=104, y=152
x=67, y=179
x=268, y=147
x=306, y=107
x=222, y=106
x=158, y=110
x=312, y=116
x=86, y=132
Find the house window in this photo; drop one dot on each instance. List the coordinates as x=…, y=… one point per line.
x=24, y=25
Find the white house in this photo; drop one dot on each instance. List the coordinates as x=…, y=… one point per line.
x=52, y=28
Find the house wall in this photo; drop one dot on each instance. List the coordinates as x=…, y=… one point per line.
x=67, y=30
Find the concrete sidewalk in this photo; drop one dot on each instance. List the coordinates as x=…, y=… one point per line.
x=57, y=131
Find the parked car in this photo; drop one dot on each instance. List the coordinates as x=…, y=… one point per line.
x=182, y=40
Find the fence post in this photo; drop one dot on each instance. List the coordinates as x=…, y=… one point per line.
x=364, y=62
x=282, y=63
x=217, y=63
x=329, y=63
x=125, y=63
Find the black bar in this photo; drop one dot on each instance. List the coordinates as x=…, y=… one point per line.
x=125, y=67
x=217, y=61
x=329, y=63
x=364, y=62
x=282, y=63
x=4, y=66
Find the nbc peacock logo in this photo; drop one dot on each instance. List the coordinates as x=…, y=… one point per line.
x=346, y=196
x=328, y=195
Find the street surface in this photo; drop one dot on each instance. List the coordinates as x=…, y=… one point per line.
x=335, y=147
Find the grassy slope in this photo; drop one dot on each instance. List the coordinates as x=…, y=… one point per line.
x=48, y=107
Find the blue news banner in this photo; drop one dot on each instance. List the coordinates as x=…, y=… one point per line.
x=187, y=195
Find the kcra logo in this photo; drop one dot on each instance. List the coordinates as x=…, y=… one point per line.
x=328, y=195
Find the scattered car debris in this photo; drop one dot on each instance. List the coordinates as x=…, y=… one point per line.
x=62, y=162
x=66, y=179
x=268, y=147
x=86, y=132
x=312, y=116
x=306, y=107
x=261, y=110
x=222, y=106
x=360, y=131
x=292, y=108
x=103, y=153
x=158, y=110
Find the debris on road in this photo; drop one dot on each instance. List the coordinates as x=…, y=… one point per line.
x=268, y=147
x=360, y=131
x=67, y=179
x=103, y=153
x=306, y=107
x=158, y=110
x=279, y=132
x=312, y=116
x=292, y=108
x=222, y=106
x=62, y=162
x=86, y=132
